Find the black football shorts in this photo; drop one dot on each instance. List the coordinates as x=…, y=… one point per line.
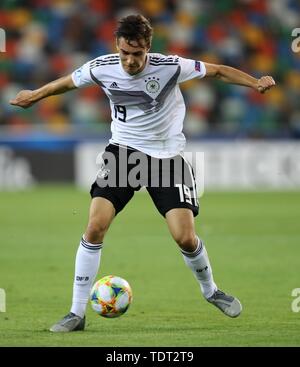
x=124, y=170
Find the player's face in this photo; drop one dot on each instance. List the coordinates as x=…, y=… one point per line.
x=133, y=56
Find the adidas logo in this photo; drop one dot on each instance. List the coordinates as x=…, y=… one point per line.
x=114, y=85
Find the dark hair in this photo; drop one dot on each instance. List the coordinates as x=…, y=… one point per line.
x=135, y=28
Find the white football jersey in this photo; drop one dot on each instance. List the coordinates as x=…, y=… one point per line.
x=147, y=109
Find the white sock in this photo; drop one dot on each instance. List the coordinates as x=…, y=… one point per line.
x=199, y=263
x=86, y=268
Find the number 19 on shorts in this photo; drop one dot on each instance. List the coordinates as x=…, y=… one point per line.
x=186, y=195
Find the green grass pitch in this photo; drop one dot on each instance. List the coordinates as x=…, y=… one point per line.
x=253, y=240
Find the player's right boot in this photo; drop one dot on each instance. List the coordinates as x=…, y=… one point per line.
x=229, y=305
x=70, y=322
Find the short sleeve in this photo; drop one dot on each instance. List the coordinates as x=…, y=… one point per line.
x=190, y=69
x=81, y=76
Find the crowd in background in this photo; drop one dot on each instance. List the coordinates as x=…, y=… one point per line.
x=46, y=39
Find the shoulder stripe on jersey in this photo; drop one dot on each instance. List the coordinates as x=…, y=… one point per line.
x=112, y=62
x=92, y=66
x=104, y=61
x=165, y=59
x=111, y=57
x=161, y=58
x=163, y=63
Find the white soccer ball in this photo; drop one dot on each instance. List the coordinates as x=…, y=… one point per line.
x=111, y=296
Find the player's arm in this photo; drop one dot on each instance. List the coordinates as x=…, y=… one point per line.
x=26, y=98
x=235, y=76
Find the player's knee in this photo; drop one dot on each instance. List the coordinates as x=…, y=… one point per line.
x=95, y=232
x=186, y=241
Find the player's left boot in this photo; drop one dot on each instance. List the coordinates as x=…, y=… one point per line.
x=70, y=322
x=229, y=305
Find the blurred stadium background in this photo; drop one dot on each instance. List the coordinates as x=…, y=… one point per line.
x=250, y=142
x=48, y=39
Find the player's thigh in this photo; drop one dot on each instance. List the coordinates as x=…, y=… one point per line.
x=101, y=210
x=176, y=188
x=117, y=196
x=167, y=198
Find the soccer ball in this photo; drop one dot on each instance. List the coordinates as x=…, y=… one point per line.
x=111, y=296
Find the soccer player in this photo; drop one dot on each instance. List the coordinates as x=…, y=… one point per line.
x=147, y=111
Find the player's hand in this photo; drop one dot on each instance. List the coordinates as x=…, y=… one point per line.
x=23, y=99
x=265, y=83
